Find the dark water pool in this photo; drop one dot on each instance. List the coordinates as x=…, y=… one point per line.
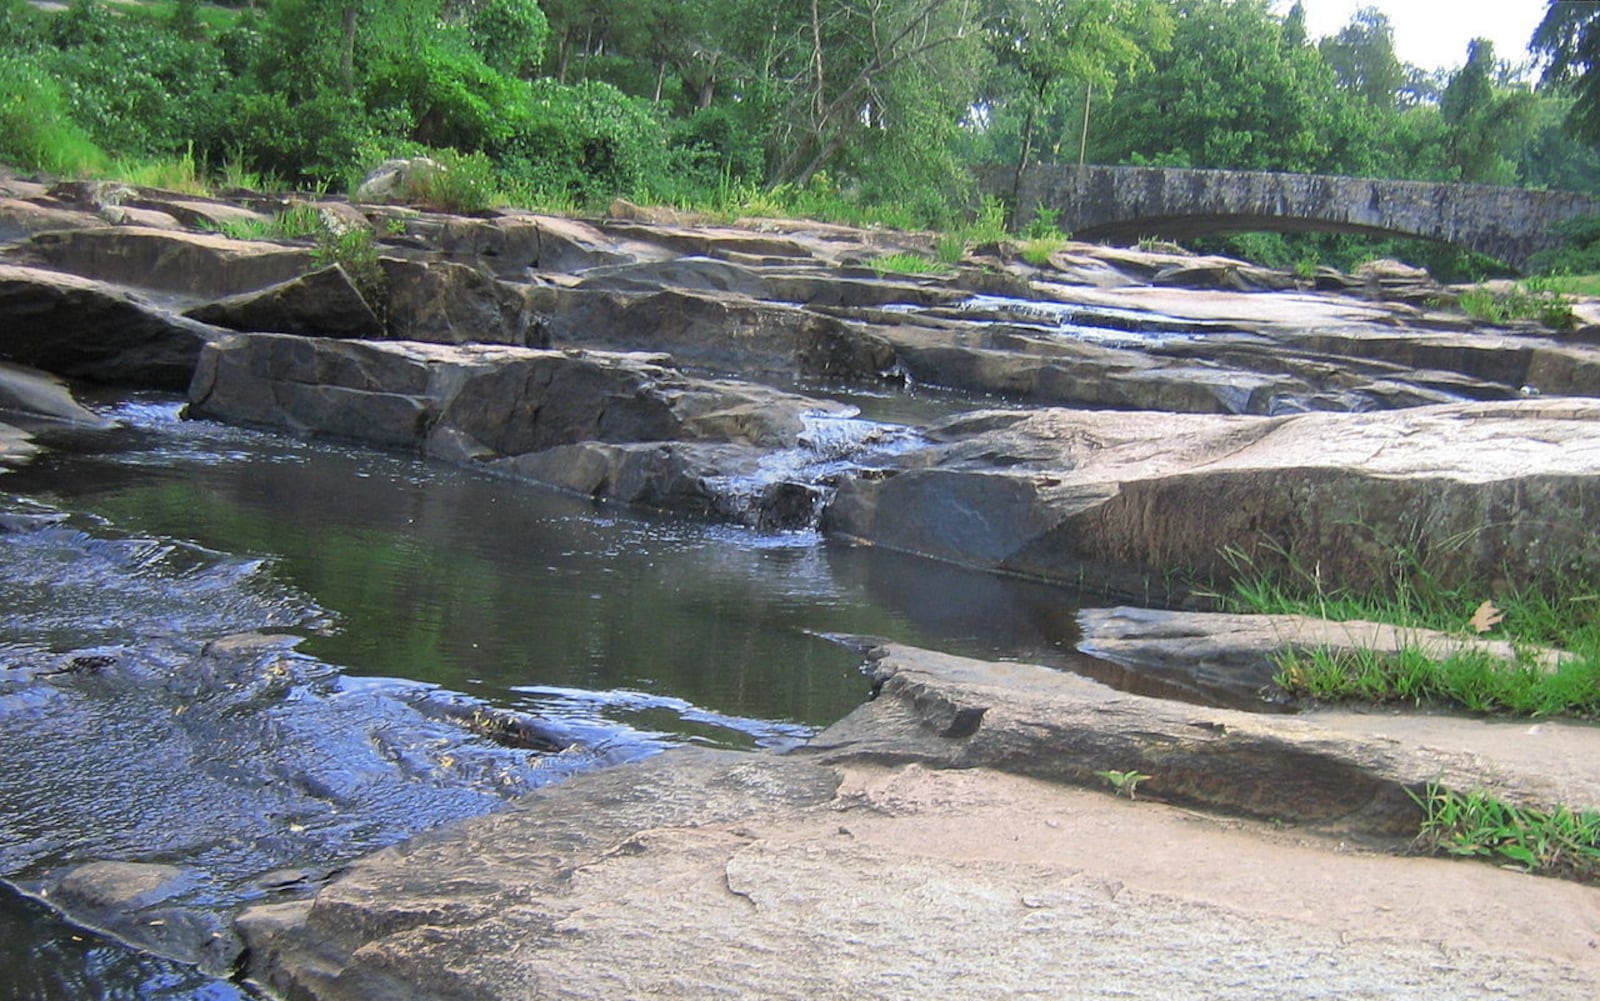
x=139, y=544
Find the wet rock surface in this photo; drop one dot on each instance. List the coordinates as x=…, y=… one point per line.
x=1128, y=415
x=847, y=871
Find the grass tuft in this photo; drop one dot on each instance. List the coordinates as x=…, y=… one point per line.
x=1557, y=842
x=1565, y=618
x=908, y=264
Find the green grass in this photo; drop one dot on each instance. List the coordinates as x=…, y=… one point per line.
x=171, y=173
x=908, y=264
x=1471, y=679
x=1037, y=250
x=1556, y=842
x=300, y=221
x=1585, y=285
x=1564, y=617
x=1534, y=299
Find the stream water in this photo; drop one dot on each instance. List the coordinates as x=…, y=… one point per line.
x=423, y=597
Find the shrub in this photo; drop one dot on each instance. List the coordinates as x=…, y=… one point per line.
x=449, y=96
x=325, y=140
x=35, y=130
x=1580, y=250
x=588, y=142
x=459, y=183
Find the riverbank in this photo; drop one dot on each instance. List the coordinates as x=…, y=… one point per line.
x=865, y=865
x=1111, y=420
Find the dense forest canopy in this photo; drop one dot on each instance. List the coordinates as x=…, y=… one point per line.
x=883, y=103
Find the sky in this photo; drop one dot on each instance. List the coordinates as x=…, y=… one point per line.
x=1434, y=33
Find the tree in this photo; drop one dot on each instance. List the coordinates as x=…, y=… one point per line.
x=1362, y=57
x=1051, y=44
x=1486, y=124
x=879, y=65
x=1569, y=36
x=1229, y=93
x=510, y=35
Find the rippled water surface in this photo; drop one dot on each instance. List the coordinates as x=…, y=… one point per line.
x=418, y=592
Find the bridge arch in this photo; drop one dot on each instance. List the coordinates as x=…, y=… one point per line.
x=1125, y=204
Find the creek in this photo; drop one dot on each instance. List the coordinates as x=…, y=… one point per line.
x=418, y=601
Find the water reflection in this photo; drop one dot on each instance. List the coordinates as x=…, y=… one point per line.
x=413, y=586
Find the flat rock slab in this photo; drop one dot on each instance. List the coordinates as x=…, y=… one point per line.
x=92, y=330
x=1137, y=500
x=1230, y=656
x=702, y=874
x=1329, y=769
x=198, y=265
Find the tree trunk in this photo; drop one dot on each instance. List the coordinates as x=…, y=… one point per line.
x=347, y=54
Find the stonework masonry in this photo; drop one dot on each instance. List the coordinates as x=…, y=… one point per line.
x=1126, y=204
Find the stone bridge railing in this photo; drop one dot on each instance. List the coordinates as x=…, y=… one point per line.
x=1125, y=204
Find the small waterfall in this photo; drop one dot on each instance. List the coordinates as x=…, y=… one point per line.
x=788, y=488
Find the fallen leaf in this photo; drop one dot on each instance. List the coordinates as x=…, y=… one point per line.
x=1486, y=617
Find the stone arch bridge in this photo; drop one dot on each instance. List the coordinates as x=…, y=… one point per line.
x=1126, y=204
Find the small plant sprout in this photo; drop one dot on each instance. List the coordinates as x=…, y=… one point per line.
x=1125, y=783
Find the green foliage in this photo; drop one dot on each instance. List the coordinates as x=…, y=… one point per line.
x=1569, y=36
x=510, y=35
x=327, y=139
x=449, y=95
x=1558, y=842
x=1044, y=225
x=36, y=132
x=170, y=173
x=1534, y=299
x=354, y=250
x=1485, y=124
x=134, y=86
x=950, y=248
x=1362, y=57
x=458, y=183
x=1563, y=616
x=1038, y=251
x=1580, y=252
x=908, y=264
x=1471, y=679
x=588, y=142
x=1125, y=783
x=1229, y=93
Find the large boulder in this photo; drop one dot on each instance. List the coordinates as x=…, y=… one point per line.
x=324, y=303
x=16, y=446
x=90, y=330
x=614, y=426
x=452, y=303
x=1226, y=658
x=1140, y=503
x=1329, y=768
x=515, y=246
x=35, y=394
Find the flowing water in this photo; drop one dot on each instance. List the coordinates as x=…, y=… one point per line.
x=137, y=725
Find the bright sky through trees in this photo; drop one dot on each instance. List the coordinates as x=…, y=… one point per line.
x=1434, y=33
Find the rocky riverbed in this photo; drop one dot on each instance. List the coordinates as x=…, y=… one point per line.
x=1142, y=414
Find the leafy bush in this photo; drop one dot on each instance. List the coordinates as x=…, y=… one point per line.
x=508, y=34
x=450, y=97
x=135, y=87
x=588, y=142
x=711, y=147
x=329, y=139
x=355, y=250
x=35, y=131
x=1579, y=253
x=460, y=182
